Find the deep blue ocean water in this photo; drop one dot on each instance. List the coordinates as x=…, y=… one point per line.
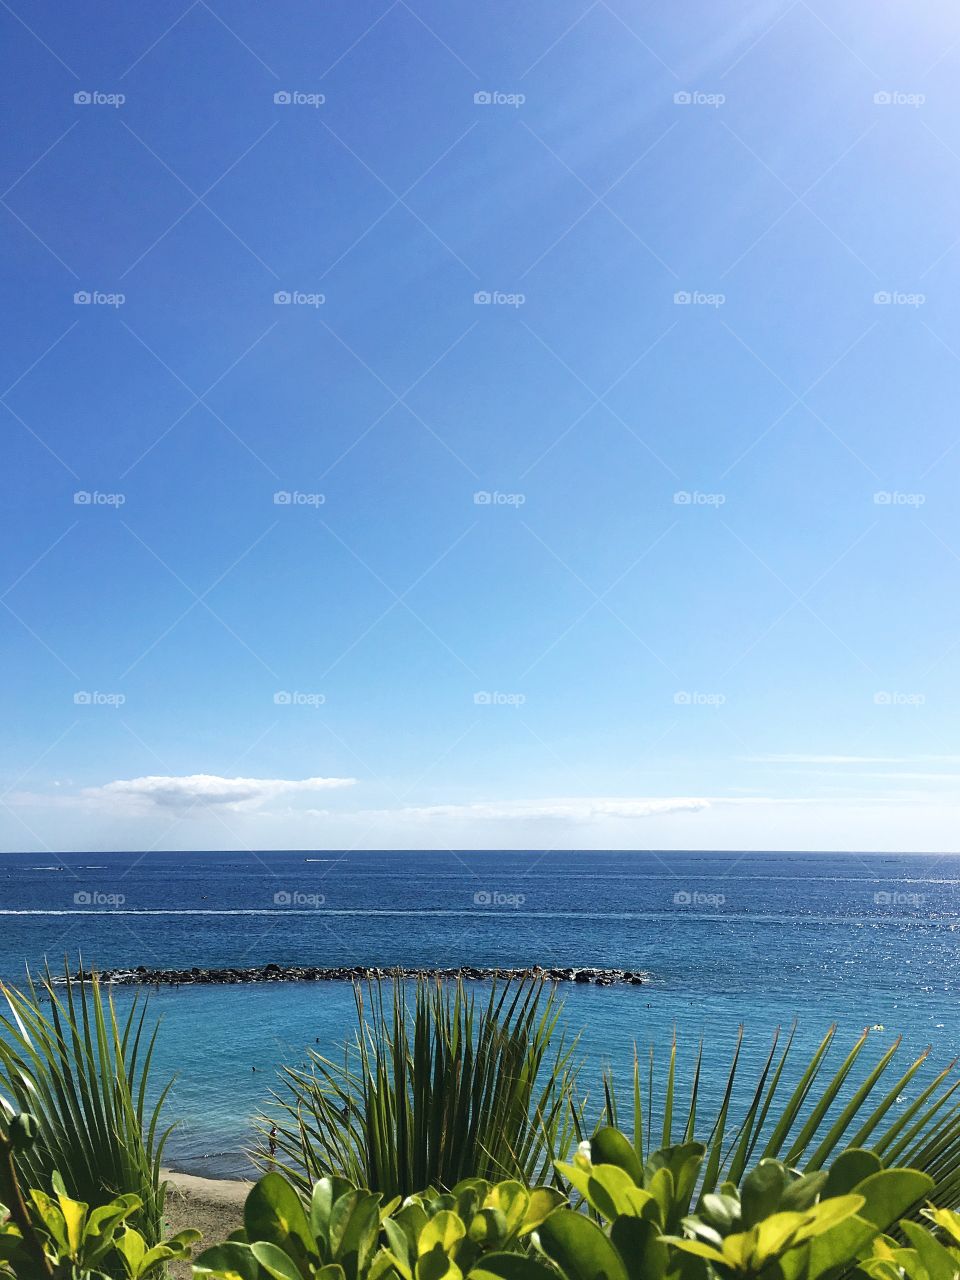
x=761, y=938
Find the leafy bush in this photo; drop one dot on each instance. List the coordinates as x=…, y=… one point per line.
x=61, y=1238
x=346, y=1234
x=777, y=1222
x=83, y=1073
x=623, y=1219
x=432, y=1092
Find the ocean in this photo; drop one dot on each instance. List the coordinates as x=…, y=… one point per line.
x=863, y=940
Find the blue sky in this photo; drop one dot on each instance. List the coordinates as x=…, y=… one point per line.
x=462, y=426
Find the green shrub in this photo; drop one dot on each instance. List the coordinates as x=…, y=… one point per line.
x=83, y=1074
x=621, y=1219
x=432, y=1091
x=57, y=1237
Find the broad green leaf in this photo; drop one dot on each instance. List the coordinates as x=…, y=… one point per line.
x=802, y=1193
x=398, y=1241
x=160, y=1253
x=609, y=1146
x=437, y=1265
x=105, y=1217
x=577, y=1175
x=838, y=1246
x=579, y=1248
x=232, y=1261
x=849, y=1168
x=52, y=1218
x=772, y=1235
x=890, y=1194
x=641, y=1247
x=327, y=1195
x=441, y=1232
x=273, y=1213
x=612, y=1192
x=661, y=1187
x=543, y=1201
x=698, y=1248
x=761, y=1190
x=722, y=1211
x=353, y=1234
x=938, y=1261
x=512, y=1199
x=186, y=1237
x=132, y=1248
x=332, y=1271
x=827, y=1214
x=946, y=1219
x=489, y=1229
x=383, y=1262
x=276, y=1261
x=510, y=1266
x=411, y=1220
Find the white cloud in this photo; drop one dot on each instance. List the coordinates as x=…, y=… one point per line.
x=578, y=809
x=824, y=759
x=204, y=790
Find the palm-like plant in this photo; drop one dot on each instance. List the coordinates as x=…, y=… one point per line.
x=83, y=1073
x=806, y=1117
x=432, y=1091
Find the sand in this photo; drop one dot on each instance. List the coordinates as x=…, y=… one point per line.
x=213, y=1206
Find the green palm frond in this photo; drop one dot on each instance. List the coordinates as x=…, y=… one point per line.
x=83, y=1072
x=433, y=1090
x=804, y=1112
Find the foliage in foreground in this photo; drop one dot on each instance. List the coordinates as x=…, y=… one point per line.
x=805, y=1115
x=54, y=1237
x=620, y=1220
x=432, y=1091
x=83, y=1074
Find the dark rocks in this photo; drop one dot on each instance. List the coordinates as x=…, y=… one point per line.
x=141, y=976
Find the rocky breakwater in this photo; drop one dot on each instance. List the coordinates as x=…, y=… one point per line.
x=143, y=977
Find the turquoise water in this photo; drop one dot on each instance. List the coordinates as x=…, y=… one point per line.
x=863, y=940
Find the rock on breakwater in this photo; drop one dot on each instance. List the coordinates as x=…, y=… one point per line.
x=143, y=977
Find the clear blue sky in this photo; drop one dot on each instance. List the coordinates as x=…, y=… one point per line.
x=586, y=659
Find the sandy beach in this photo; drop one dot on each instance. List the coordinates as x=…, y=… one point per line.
x=213, y=1206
